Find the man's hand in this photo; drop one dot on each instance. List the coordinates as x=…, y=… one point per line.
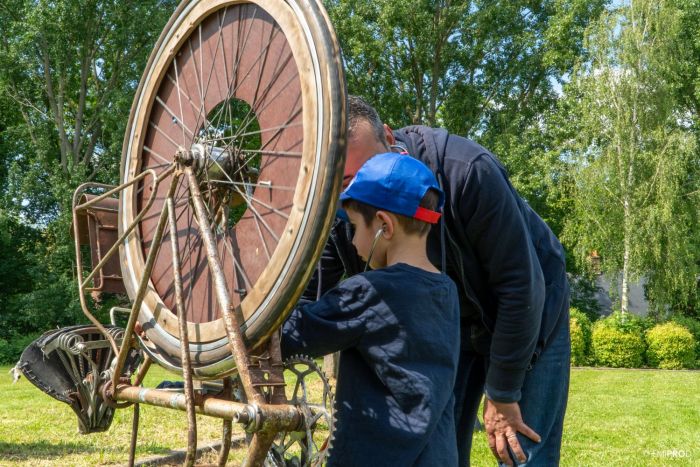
x=502, y=422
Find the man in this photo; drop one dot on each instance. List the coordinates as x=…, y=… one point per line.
x=510, y=272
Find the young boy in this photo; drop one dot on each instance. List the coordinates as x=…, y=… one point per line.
x=397, y=326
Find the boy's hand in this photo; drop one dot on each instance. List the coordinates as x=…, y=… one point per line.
x=502, y=422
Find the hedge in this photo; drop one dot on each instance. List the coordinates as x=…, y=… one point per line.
x=692, y=325
x=617, y=346
x=671, y=346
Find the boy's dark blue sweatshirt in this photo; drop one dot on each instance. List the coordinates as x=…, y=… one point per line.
x=398, y=332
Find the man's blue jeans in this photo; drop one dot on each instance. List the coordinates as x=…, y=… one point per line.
x=543, y=401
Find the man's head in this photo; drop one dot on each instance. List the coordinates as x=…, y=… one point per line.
x=392, y=195
x=367, y=136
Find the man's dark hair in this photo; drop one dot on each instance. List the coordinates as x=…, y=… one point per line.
x=360, y=111
x=410, y=225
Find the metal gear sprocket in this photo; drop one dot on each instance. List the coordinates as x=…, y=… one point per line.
x=313, y=395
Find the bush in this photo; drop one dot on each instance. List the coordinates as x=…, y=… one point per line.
x=617, y=342
x=671, y=346
x=692, y=325
x=580, y=337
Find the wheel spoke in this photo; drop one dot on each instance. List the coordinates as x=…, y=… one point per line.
x=159, y=130
x=179, y=101
x=177, y=120
x=157, y=156
x=262, y=238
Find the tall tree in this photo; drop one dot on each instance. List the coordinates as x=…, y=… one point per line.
x=485, y=69
x=68, y=71
x=70, y=67
x=458, y=63
x=633, y=157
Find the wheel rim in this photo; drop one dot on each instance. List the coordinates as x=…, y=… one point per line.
x=239, y=86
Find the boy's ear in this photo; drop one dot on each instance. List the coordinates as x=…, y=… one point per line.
x=387, y=225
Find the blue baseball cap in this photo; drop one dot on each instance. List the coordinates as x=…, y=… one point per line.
x=396, y=183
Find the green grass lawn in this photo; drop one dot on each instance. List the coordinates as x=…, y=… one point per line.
x=615, y=417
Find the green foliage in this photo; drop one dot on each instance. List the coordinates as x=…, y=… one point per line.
x=68, y=71
x=583, y=295
x=12, y=347
x=488, y=70
x=671, y=346
x=633, y=155
x=692, y=325
x=617, y=342
x=580, y=337
x=39, y=291
x=627, y=322
x=16, y=242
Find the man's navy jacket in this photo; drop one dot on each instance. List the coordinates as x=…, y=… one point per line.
x=507, y=264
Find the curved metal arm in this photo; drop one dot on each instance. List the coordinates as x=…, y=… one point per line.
x=156, y=179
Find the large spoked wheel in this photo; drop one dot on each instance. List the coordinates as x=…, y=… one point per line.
x=254, y=92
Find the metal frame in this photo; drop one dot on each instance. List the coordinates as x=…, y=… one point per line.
x=267, y=411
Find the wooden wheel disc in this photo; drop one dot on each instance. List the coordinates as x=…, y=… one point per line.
x=254, y=91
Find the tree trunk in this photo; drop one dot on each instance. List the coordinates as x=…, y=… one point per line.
x=624, y=293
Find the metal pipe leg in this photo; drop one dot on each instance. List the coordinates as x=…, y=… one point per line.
x=259, y=447
x=184, y=340
x=226, y=430
x=233, y=327
x=134, y=435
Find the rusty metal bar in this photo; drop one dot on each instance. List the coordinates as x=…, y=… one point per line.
x=143, y=286
x=264, y=417
x=259, y=447
x=112, y=313
x=233, y=327
x=226, y=429
x=206, y=405
x=134, y=434
x=143, y=369
x=184, y=339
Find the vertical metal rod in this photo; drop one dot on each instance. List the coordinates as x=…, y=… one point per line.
x=233, y=327
x=226, y=426
x=134, y=434
x=277, y=394
x=143, y=287
x=184, y=339
x=259, y=447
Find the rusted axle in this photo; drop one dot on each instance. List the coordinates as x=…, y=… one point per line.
x=280, y=417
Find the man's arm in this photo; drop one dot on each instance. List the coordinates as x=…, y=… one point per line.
x=495, y=227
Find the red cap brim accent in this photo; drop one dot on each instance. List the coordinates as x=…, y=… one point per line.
x=426, y=215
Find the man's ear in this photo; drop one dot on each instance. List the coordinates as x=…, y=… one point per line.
x=387, y=224
x=389, y=134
